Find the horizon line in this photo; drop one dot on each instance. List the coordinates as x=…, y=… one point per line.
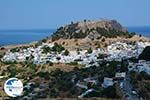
x=15, y=29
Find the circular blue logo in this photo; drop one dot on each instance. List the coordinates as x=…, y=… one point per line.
x=13, y=87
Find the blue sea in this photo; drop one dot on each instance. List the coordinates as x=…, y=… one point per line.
x=145, y=31
x=10, y=37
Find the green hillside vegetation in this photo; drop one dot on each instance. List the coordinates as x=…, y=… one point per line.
x=56, y=48
x=60, y=82
x=112, y=33
x=141, y=82
x=68, y=34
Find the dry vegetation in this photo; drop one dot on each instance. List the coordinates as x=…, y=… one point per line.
x=86, y=43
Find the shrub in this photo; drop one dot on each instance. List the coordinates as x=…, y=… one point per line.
x=15, y=50
x=58, y=58
x=57, y=48
x=73, y=63
x=46, y=49
x=145, y=55
x=50, y=63
x=89, y=50
x=103, y=40
x=66, y=53
x=44, y=40
x=44, y=75
x=110, y=92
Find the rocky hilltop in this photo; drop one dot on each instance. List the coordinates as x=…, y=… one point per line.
x=93, y=29
x=107, y=24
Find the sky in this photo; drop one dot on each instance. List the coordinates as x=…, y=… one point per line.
x=50, y=14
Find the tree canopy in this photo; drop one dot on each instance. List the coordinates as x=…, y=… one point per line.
x=145, y=55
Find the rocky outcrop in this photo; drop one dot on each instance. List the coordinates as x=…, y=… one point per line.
x=103, y=23
x=93, y=29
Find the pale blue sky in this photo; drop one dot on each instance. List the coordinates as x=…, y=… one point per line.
x=29, y=14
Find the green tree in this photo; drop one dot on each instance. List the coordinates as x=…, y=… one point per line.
x=44, y=75
x=50, y=63
x=15, y=50
x=57, y=48
x=46, y=49
x=110, y=92
x=124, y=66
x=73, y=63
x=66, y=53
x=58, y=58
x=12, y=70
x=144, y=75
x=103, y=39
x=145, y=55
x=89, y=50
x=44, y=40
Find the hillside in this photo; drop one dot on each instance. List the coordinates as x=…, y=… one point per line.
x=91, y=34
x=92, y=29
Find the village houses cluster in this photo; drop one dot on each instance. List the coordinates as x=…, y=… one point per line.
x=38, y=57
x=115, y=51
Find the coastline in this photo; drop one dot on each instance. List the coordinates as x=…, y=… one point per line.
x=18, y=45
x=134, y=38
x=5, y=48
x=138, y=30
